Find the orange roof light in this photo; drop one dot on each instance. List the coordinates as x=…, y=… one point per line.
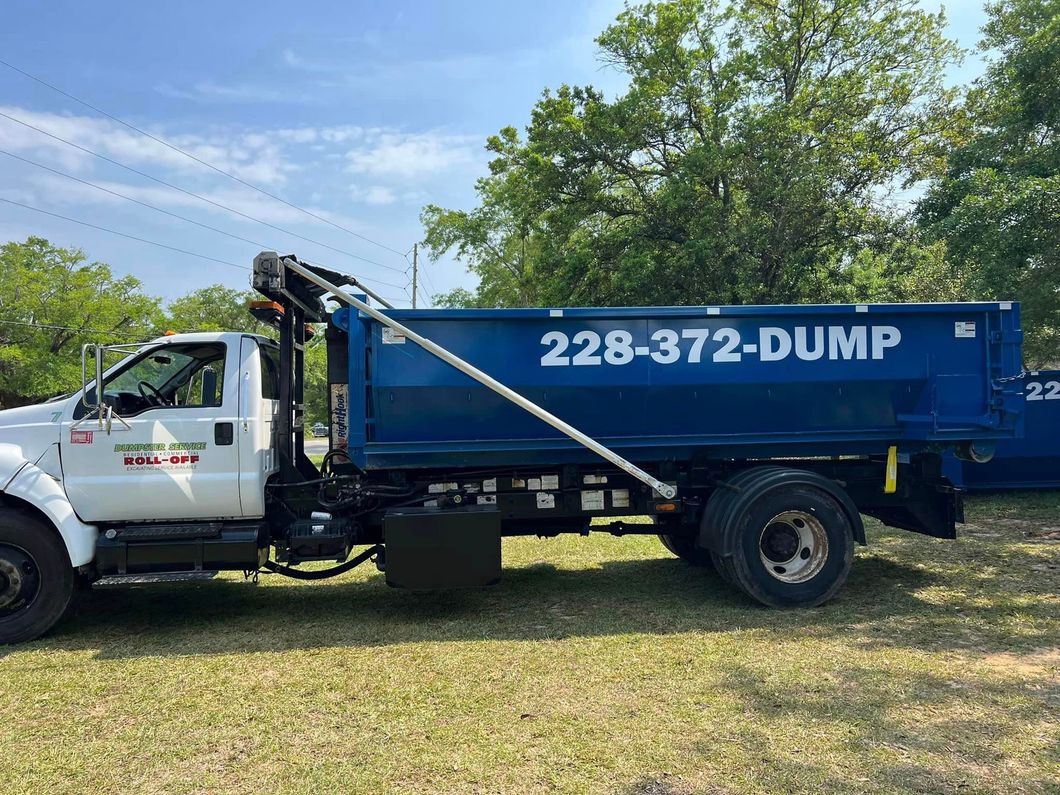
x=169, y=333
x=266, y=305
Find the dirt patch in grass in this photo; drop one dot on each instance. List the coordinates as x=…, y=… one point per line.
x=598, y=665
x=1040, y=663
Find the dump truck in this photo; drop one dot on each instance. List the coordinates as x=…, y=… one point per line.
x=755, y=438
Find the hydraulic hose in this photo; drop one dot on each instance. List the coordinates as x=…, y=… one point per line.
x=322, y=574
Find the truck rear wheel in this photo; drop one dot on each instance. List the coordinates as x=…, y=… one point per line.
x=686, y=549
x=795, y=548
x=784, y=544
x=36, y=579
x=718, y=510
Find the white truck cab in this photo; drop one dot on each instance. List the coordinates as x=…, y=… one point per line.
x=184, y=433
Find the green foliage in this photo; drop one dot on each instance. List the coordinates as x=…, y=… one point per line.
x=997, y=205
x=316, y=380
x=215, y=308
x=897, y=264
x=75, y=302
x=454, y=299
x=52, y=301
x=220, y=308
x=746, y=162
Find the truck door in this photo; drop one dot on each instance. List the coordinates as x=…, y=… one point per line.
x=259, y=385
x=178, y=458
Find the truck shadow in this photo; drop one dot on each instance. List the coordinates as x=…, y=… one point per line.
x=883, y=603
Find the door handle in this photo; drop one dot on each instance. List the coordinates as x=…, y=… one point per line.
x=224, y=434
x=244, y=409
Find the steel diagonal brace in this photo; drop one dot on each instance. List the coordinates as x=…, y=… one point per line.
x=665, y=489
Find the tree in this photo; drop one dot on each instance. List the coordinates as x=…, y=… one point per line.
x=220, y=308
x=997, y=206
x=215, y=308
x=51, y=302
x=316, y=379
x=747, y=161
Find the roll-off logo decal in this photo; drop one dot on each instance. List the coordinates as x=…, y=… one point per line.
x=160, y=455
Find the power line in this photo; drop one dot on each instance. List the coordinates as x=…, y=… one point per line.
x=196, y=195
x=199, y=160
x=359, y=278
x=151, y=242
x=135, y=201
x=149, y=206
x=427, y=278
x=50, y=326
x=123, y=234
x=424, y=275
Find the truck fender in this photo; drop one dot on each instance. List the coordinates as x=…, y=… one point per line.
x=11, y=462
x=716, y=531
x=39, y=490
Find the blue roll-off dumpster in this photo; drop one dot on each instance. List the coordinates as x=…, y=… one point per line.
x=669, y=382
x=1029, y=462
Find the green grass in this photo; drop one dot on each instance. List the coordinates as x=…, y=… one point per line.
x=598, y=665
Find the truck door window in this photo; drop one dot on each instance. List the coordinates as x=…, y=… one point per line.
x=174, y=376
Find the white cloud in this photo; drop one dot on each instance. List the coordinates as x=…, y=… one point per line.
x=251, y=157
x=396, y=171
x=298, y=135
x=410, y=155
x=373, y=194
x=58, y=190
x=338, y=135
x=296, y=61
x=20, y=195
x=211, y=92
x=414, y=197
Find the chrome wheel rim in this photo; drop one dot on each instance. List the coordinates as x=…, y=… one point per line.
x=793, y=546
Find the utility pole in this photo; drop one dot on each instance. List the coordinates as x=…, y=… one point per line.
x=415, y=270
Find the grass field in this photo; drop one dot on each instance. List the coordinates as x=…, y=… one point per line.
x=598, y=665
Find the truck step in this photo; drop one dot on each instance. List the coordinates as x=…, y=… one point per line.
x=151, y=579
x=165, y=532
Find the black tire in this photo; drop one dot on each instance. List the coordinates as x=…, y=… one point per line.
x=685, y=548
x=794, y=547
x=36, y=578
x=717, y=513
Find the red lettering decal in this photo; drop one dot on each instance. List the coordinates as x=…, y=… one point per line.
x=194, y=459
x=128, y=460
x=140, y=460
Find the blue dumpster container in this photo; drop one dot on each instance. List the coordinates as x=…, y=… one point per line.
x=663, y=383
x=1029, y=462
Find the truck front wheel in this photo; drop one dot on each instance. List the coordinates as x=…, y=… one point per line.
x=36, y=579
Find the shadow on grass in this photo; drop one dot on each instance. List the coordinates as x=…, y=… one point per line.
x=923, y=754
x=880, y=605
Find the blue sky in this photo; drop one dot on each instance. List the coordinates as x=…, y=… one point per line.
x=361, y=112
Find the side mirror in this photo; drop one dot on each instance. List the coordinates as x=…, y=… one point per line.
x=209, y=387
x=92, y=399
